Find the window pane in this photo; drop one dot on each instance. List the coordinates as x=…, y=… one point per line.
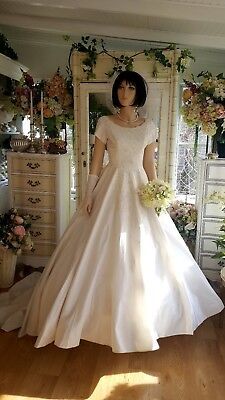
x=186, y=162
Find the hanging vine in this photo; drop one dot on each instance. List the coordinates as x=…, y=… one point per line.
x=93, y=48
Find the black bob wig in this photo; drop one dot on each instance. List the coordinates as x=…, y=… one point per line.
x=135, y=79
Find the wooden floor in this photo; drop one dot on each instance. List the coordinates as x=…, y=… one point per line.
x=184, y=368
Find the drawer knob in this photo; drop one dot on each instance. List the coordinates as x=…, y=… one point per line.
x=35, y=234
x=34, y=201
x=33, y=165
x=34, y=217
x=33, y=184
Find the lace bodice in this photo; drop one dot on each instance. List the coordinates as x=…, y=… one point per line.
x=125, y=145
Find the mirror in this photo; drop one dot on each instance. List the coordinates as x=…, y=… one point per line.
x=99, y=105
x=95, y=100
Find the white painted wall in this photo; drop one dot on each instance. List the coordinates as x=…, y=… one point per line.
x=41, y=53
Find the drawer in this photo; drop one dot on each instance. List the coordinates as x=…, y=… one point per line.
x=40, y=233
x=41, y=249
x=211, y=227
x=210, y=267
x=40, y=216
x=32, y=183
x=34, y=165
x=208, y=246
x=215, y=172
x=211, y=187
x=212, y=210
x=36, y=200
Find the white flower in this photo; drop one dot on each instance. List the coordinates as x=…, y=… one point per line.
x=156, y=194
x=190, y=226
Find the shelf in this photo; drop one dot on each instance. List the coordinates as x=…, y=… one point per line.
x=11, y=68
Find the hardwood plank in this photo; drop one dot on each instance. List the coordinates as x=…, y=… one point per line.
x=184, y=368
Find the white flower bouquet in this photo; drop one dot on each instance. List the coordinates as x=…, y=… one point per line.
x=156, y=194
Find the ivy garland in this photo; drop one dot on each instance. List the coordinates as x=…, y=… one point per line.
x=90, y=48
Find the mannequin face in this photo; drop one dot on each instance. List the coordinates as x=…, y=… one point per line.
x=126, y=93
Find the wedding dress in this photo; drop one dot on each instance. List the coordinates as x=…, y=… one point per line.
x=121, y=277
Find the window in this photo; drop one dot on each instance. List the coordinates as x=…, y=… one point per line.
x=186, y=162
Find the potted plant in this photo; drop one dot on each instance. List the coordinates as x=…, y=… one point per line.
x=15, y=237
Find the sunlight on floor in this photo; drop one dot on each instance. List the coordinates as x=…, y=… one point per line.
x=130, y=386
x=127, y=386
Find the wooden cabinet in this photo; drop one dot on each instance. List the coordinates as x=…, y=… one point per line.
x=39, y=184
x=211, y=178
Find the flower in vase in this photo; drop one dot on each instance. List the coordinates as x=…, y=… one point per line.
x=204, y=102
x=184, y=215
x=18, y=220
x=19, y=230
x=57, y=101
x=14, y=231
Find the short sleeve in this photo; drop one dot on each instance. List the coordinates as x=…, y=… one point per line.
x=152, y=133
x=101, y=130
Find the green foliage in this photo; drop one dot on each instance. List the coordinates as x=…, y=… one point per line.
x=88, y=46
x=184, y=60
x=96, y=110
x=220, y=244
x=6, y=49
x=219, y=198
x=92, y=48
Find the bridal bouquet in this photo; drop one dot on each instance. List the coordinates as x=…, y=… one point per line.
x=156, y=194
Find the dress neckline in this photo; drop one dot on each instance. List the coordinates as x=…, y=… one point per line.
x=126, y=127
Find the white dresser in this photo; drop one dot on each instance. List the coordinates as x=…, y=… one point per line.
x=39, y=184
x=211, y=178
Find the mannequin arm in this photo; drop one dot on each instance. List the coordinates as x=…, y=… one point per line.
x=96, y=166
x=97, y=160
x=149, y=161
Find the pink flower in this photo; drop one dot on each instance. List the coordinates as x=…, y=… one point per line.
x=19, y=230
x=18, y=220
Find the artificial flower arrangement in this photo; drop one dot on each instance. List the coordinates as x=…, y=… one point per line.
x=219, y=198
x=57, y=101
x=156, y=194
x=184, y=216
x=204, y=103
x=14, y=231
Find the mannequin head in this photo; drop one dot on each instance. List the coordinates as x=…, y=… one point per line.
x=133, y=80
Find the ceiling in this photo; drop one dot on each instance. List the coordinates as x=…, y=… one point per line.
x=191, y=23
